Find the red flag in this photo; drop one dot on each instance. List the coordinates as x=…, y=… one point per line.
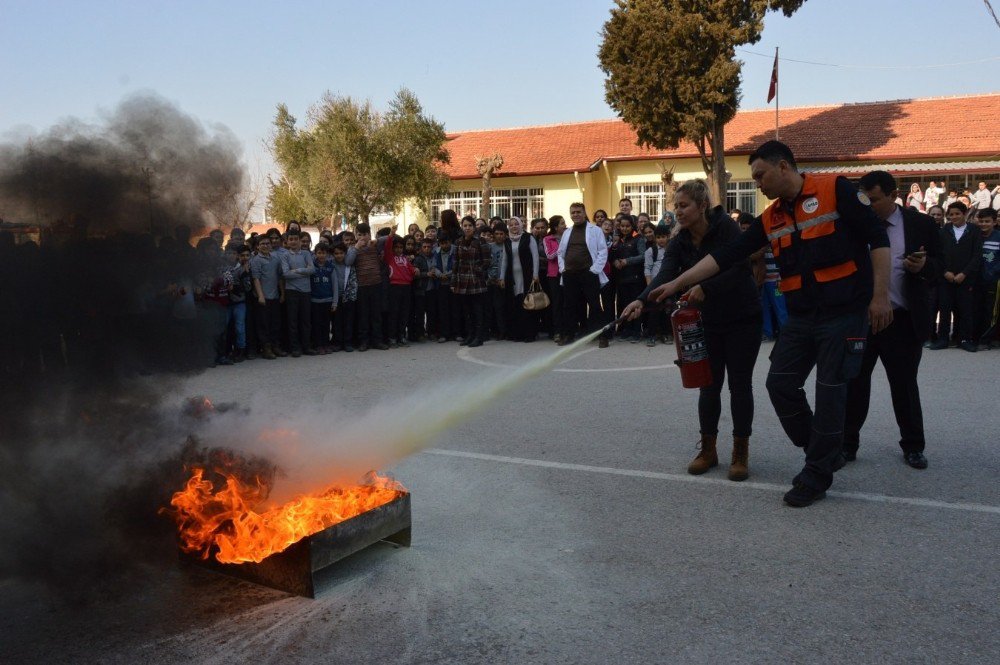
x=773, y=90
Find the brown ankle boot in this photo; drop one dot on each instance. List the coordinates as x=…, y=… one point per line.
x=740, y=468
x=706, y=458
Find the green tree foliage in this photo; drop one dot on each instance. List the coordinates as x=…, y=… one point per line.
x=672, y=71
x=354, y=159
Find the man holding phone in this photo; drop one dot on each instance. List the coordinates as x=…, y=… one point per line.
x=917, y=260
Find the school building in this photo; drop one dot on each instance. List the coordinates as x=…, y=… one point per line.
x=546, y=168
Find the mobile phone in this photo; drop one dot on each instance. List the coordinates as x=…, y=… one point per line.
x=918, y=255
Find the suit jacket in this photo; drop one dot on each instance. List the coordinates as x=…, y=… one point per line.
x=965, y=255
x=920, y=230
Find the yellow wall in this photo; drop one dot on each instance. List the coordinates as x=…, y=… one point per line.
x=601, y=188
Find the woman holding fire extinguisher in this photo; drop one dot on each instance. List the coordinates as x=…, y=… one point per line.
x=731, y=313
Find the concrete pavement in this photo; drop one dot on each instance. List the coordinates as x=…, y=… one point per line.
x=558, y=526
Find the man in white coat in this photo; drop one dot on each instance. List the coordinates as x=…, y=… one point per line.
x=582, y=255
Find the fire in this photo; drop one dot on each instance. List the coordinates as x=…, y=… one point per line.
x=227, y=522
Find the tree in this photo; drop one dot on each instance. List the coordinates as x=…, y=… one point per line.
x=672, y=71
x=487, y=168
x=357, y=160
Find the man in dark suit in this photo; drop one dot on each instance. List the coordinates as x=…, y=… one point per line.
x=917, y=261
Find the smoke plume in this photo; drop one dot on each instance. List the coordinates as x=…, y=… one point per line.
x=97, y=314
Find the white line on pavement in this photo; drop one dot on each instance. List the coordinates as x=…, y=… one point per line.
x=701, y=480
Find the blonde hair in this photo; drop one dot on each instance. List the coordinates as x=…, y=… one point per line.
x=696, y=190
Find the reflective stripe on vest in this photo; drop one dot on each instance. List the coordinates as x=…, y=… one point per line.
x=817, y=206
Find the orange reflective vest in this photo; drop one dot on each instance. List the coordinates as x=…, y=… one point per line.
x=811, y=244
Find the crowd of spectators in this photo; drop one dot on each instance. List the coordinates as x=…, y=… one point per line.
x=465, y=281
x=964, y=305
x=90, y=300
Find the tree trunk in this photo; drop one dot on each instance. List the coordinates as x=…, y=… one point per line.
x=719, y=179
x=484, y=210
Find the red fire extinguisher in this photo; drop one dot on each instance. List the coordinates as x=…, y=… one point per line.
x=689, y=339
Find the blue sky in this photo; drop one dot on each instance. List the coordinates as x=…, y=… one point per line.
x=472, y=64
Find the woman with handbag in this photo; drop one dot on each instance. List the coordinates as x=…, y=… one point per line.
x=521, y=278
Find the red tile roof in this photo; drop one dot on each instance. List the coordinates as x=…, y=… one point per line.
x=892, y=130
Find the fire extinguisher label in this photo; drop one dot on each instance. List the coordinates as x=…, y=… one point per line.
x=692, y=342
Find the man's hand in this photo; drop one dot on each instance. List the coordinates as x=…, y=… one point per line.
x=959, y=278
x=880, y=313
x=633, y=310
x=661, y=293
x=915, y=262
x=501, y=283
x=695, y=295
x=333, y=308
x=949, y=277
x=260, y=300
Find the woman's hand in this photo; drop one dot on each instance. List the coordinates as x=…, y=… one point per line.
x=661, y=293
x=695, y=295
x=633, y=310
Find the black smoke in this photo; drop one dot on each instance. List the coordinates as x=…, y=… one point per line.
x=99, y=314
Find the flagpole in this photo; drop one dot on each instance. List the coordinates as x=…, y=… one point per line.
x=777, y=87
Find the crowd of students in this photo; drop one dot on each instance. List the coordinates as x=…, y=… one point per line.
x=964, y=305
x=466, y=280
x=460, y=281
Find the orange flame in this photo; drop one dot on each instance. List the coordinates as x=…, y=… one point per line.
x=227, y=522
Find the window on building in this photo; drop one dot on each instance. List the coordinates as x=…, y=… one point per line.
x=504, y=203
x=646, y=197
x=742, y=194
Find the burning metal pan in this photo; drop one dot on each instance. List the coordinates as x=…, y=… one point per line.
x=293, y=570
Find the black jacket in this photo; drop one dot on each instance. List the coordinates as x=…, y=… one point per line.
x=731, y=295
x=965, y=255
x=920, y=230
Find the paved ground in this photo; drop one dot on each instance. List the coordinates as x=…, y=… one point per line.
x=559, y=527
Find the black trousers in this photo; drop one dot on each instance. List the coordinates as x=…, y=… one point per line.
x=399, y=309
x=899, y=349
x=986, y=305
x=579, y=289
x=555, y=291
x=472, y=306
x=418, y=312
x=299, y=315
x=449, y=314
x=498, y=306
x=626, y=293
x=369, y=309
x=523, y=323
x=343, y=323
x=268, y=319
x=320, y=318
x=958, y=300
x=809, y=341
x=431, y=304
x=732, y=351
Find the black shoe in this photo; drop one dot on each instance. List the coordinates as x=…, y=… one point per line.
x=850, y=455
x=382, y=347
x=564, y=341
x=968, y=345
x=362, y=348
x=602, y=343
x=474, y=343
x=938, y=345
x=915, y=460
x=802, y=495
x=464, y=342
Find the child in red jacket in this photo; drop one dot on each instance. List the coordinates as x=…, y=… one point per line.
x=401, y=274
